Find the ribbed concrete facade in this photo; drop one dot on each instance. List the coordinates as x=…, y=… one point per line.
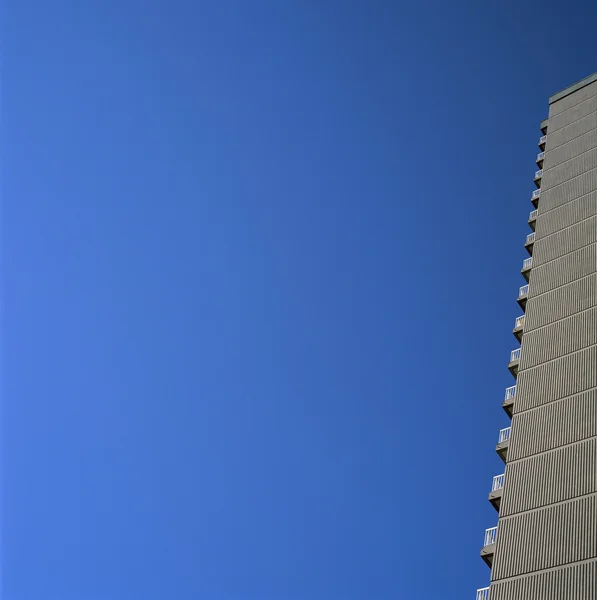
x=546, y=541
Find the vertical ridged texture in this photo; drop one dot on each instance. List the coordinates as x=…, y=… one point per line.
x=571, y=374
x=550, y=426
x=578, y=112
x=574, y=167
x=570, y=149
x=562, y=337
x=581, y=110
x=546, y=538
x=561, y=303
x=566, y=215
x=578, y=582
x=561, y=271
x=548, y=512
x=565, y=241
x=563, y=474
x=568, y=191
x=570, y=132
x=571, y=100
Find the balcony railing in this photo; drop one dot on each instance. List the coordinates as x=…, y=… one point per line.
x=530, y=238
x=538, y=174
x=542, y=140
x=490, y=536
x=483, y=594
x=536, y=193
x=519, y=322
x=540, y=156
x=515, y=355
x=533, y=214
x=527, y=263
x=498, y=482
x=523, y=291
x=504, y=435
x=510, y=393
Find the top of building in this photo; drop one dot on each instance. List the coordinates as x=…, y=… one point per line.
x=573, y=88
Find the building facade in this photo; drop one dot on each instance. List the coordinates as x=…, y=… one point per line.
x=545, y=544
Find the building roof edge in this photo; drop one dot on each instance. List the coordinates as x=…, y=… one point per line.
x=573, y=88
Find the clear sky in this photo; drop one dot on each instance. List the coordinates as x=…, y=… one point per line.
x=259, y=269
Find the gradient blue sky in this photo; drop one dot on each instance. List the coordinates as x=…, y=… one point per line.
x=259, y=268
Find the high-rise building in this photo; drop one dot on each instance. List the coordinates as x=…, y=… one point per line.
x=544, y=546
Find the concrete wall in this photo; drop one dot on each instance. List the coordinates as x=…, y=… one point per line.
x=547, y=529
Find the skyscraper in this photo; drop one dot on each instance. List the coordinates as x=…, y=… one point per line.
x=544, y=546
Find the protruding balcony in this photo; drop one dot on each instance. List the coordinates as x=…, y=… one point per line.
x=483, y=594
x=508, y=403
x=488, y=549
x=514, y=361
x=518, y=327
x=538, y=175
x=542, y=142
x=533, y=219
x=523, y=294
x=535, y=198
x=497, y=487
x=527, y=263
x=529, y=242
x=503, y=443
x=540, y=159
x=544, y=127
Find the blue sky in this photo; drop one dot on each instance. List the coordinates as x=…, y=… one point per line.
x=259, y=268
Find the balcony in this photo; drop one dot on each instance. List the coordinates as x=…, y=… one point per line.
x=510, y=393
x=514, y=361
x=497, y=487
x=488, y=549
x=518, y=327
x=540, y=158
x=498, y=482
x=544, y=127
x=535, y=198
x=504, y=435
x=528, y=244
x=509, y=398
x=538, y=176
x=523, y=294
x=527, y=263
x=542, y=142
x=490, y=536
x=483, y=594
x=503, y=443
x=533, y=219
